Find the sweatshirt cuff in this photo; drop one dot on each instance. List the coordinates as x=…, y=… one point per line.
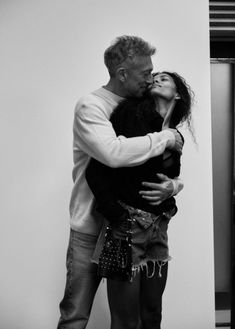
x=170, y=138
x=166, y=137
x=177, y=185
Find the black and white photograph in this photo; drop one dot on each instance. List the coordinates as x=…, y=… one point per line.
x=117, y=164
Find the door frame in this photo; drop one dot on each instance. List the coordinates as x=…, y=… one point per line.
x=228, y=57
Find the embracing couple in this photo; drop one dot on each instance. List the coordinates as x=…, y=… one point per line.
x=127, y=152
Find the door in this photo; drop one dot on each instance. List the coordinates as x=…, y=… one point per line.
x=222, y=98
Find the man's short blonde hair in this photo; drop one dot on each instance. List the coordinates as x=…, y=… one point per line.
x=125, y=47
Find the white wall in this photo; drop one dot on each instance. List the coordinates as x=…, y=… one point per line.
x=51, y=54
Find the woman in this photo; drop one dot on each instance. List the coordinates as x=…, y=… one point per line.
x=167, y=104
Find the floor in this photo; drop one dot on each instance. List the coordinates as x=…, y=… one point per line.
x=223, y=319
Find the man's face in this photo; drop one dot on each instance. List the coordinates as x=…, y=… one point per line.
x=138, y=76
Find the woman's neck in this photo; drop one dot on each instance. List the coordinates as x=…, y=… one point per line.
x=165, y=109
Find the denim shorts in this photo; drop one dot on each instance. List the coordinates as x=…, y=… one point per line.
x=149, y=237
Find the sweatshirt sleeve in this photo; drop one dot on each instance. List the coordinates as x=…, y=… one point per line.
x=94, y=134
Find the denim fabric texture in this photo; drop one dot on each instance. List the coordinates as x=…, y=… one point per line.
x=149, y=236
x=81, y=284
x=149, y=239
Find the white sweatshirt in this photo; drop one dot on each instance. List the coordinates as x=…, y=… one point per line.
x=94, y=137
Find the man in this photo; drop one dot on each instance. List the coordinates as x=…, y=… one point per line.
x=128, y=61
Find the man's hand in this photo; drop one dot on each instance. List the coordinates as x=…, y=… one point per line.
x=160, y=191
x=178, y=141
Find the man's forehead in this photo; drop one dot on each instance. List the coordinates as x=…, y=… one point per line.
x=141, y=63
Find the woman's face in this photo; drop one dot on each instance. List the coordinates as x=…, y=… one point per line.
x=163, y=86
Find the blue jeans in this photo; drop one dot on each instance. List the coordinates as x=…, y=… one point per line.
x=82, y=282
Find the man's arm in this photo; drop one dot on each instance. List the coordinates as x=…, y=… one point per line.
x=162, y=191
x=97, y=138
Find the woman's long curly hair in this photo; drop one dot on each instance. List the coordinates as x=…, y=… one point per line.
x=133, y=116
x=183, y=108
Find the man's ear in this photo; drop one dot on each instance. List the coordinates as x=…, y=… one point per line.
x=121, y=74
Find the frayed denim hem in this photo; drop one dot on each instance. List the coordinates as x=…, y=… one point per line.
x=144, y=265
